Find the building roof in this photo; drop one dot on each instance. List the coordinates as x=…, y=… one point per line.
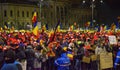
x=18, y=1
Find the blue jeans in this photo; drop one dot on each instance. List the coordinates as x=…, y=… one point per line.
x=78, y=65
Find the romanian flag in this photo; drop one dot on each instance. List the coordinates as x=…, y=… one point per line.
x=113, y=26
x=87, y=24
x=34, y=18
x=71, y=28
x=34, y=21
x=44, y=27
x=58, y=28
x=105, y=28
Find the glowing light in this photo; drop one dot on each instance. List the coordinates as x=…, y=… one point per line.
x=101, y=1
x=83, y=1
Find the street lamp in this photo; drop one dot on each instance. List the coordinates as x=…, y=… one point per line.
x=40, y=4
x=92, y=9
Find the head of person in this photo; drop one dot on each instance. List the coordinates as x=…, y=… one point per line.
x=9, y=56
x=81, y=45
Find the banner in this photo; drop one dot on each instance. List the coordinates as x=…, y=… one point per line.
x=93, y=57
x=106, y=60
x=86, y=59
x=112, y=39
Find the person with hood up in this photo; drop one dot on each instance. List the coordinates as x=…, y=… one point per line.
x=117, y=61
x=30, y=55
x=63, y=62
x=9, y=61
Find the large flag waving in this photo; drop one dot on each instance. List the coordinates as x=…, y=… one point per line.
x=34, y=21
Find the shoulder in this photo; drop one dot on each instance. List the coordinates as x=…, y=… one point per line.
x=10, y=66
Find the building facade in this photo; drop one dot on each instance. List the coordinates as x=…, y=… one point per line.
x=17, y=15
x=49, y=12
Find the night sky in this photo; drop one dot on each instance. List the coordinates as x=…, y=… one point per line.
x=114, y=4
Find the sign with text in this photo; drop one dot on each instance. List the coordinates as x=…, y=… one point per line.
x=112, y=39
x=106, y=60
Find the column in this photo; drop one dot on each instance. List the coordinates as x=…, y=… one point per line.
x=59, y=14
x=64, y=16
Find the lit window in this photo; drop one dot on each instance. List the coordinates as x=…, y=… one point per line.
x=32, y=13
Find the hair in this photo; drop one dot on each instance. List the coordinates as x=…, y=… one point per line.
x=39, y=47
x=10, y=55
x=81, y=45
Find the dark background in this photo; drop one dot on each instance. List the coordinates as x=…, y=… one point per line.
x=114, y=4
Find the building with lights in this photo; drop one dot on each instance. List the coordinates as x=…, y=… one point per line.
x=19, y=13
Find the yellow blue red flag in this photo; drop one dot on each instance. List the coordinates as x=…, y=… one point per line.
x=34, y=21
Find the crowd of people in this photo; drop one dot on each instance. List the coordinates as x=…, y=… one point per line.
x=56, y=51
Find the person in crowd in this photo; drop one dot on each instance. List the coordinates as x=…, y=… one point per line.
x=9, y=61
x=52, y=49
x=63, y=62
x=38, y=58
x=1, y=56
x=117, y=59
x=21, y=57
x=80, y=54
x=30, y=55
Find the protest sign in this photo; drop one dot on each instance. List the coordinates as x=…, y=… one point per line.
x=106, y=60
x=112, y=39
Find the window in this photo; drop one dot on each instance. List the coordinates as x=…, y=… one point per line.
x=37, y=13
x=5, y=13
x=18, y=14
x=22, y=13
x=11, y=13
x=57, y=9
x=12, y=24
x=62, y=16
x=51, y=14
x=32, y=13
x=6, y=24
x=27, y=14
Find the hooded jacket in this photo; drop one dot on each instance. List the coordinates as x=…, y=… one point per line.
x=63, y=62
x=117, y=60
x=10, y=66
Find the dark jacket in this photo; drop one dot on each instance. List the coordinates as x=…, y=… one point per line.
x=1, y=59
x=30, y=55
x=80, y=53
